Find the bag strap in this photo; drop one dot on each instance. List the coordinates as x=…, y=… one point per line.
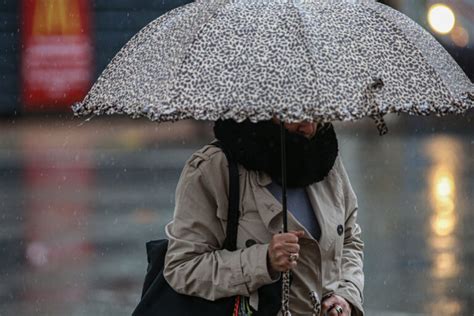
x=230, y=242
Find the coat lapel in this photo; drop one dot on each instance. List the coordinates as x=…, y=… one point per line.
x=325, y=209
x=321, y=199
x=268, y=207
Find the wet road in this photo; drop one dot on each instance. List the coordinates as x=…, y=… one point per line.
x=78, y=203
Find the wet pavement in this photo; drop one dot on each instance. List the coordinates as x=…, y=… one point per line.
x=78, y=202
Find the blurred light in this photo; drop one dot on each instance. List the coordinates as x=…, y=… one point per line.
x=445, y=265
x=447, y=306
x=442, y=182
x=447, y=157
x=441, y=18
x=444, y=205
x=443, y=244
x=443, y=224
x=37, y=253
x=444, y=187
x=460, y=36
x=445, y=151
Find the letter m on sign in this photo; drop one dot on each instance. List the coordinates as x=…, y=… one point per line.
x=57, y=56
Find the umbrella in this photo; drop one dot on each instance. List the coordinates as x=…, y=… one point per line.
x=297, y=60
x=309, y=60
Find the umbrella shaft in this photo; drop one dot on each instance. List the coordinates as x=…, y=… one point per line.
x=283, y=177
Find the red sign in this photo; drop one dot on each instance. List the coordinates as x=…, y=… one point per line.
x=57, y=57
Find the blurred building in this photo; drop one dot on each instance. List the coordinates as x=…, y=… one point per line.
x=52, y=50
x=58, y=35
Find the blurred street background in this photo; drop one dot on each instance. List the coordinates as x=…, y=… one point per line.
x=79, y=199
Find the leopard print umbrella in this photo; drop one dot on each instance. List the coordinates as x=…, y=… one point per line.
x=298, y=60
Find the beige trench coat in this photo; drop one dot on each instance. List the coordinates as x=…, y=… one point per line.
x=195, y=263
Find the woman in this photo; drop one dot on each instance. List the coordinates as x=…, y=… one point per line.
x=323, y=248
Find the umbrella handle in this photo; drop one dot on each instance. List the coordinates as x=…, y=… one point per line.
x=285, y=303
x=283, y=177
x=286, y=276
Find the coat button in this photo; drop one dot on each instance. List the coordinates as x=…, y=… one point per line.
x=250, y=243
x=340, y=230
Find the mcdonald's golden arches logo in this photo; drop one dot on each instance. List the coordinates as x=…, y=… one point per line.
x=56, y=17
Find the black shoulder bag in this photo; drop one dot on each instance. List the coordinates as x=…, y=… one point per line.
x=159, y=298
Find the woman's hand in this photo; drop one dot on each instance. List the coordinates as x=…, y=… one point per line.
x=283, y=251
x=335, y=305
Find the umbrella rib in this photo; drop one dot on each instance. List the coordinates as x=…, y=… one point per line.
x=303, y=37
x=249, y=42
x=218, y=10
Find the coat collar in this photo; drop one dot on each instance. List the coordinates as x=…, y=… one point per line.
x=326, y=213
x=268, y=207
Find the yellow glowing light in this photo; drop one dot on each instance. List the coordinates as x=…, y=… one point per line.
x=445, y=265
x=443, y=243
x=444, y=205
x=441, y=18
x=444, y=187
x=444, y=304
x=443, y=224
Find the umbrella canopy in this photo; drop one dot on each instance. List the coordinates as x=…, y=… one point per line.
x=297, y=60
